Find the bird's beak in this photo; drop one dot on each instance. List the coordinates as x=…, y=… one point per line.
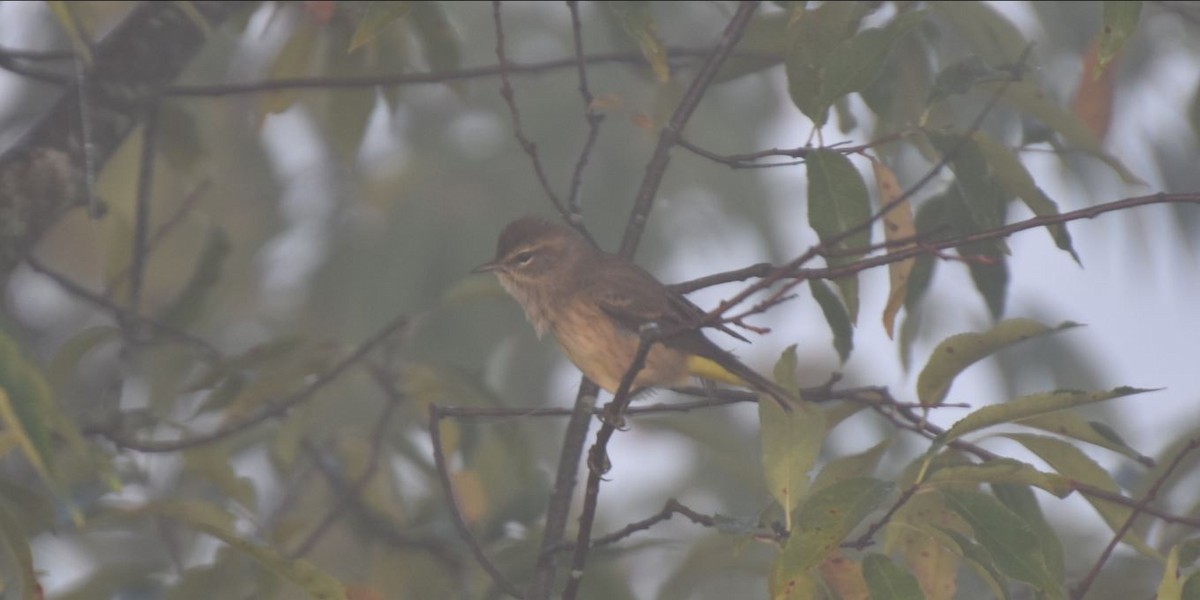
x=487, y=267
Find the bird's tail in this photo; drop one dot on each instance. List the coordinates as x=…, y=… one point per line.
x=728, y=369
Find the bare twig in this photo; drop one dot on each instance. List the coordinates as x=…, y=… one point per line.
x=464, y=530
x=394, y=398
x=590, y=115
x=669, y=136
x=141, y=223
x=1081, y=589
x=598, y=463
x=268, y=410
x=123, y=315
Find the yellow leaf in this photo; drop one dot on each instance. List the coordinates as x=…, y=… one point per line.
x=897, y=225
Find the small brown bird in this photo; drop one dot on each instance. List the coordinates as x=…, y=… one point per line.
x=596, y=303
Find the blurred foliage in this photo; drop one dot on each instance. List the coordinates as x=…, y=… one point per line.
x=287, y=224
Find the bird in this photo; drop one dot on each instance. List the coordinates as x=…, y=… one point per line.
x=597, y=304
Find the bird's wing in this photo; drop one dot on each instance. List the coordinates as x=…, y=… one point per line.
x=633, y=297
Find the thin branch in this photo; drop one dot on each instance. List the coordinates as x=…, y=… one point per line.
x=460, y=522
x=669, y=136
x=1082, y=587
x=185, y=208
x=671, y=508
x=141, y=223
x=275, y=408
x=352, y=491
x=506, y=91
x=122, y=315
x=590, y=115
x=598, y=463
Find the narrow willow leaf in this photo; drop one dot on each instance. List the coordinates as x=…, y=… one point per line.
x=897, y=225
x=827, y=517
x=1170, y=588
x=844, y=577
x=887, y=581
x=835, y=315
x=857, y=61
x=791, y=443
x=1003, y=471
x=1010, y=540
x=853, y=466
x=1120, y=20
x=438, y=37
x=1027, y=97
x=14, y=539
x=980, y=561
x=957, y=352
x=837, y=202
x=1072, y=425
x=376, y=17
x=1010, y=173
x=1020, y=499
x=1028, y=406
x=64, y=13
x=993, y=37
x=189, y=304
x=213, y=521
x=1072, y=462
x=639, y=25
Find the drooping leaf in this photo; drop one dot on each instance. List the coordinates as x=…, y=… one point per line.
x=210, y=519
x=835, y=315
x=837, y=202
x=377, y=16
x=1120, y=21
x=1020, y=499
x=980, y=561
x=1072, y=425
x=857, y=61
x=887, y=581
x=637, y=22
x=1003, y=470
x=826, y=518
x=815, y=33
x=1071, y=462
x=957, y=352
x=1010, y=173
x=1010, y=540
x=791, y=443
x=1093, y=100
x=990, y=34
x=1027, y=406
x=898, y=225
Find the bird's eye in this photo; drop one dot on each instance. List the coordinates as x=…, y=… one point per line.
x=523, y=258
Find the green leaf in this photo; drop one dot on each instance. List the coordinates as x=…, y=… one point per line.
x=1002, y=470
x=1072, y=425
x=293, y=60
x=979, y=559
x=957, y=352
x=639, y=25
x=835, y=315
x=1120, y=20
x=887, y=581
x=849, y=467
x=815, y=33
x=65, y=14
x=14, y=541
x=1020, y=499
x=766, y=34
x=1028, y=406
x=1010, y=173
x=378, y=15
x=439, y=40
x=1072, y=462
x=827, y=517
x=1191, y=587
x=210, y=519
x=188, y=305
x=992, y=36
x=1010, y=540
x=856, y=62
x=1170, y=587
x=22, y=392
x=1027, y=97
x=791, y=443
x=838, y=201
